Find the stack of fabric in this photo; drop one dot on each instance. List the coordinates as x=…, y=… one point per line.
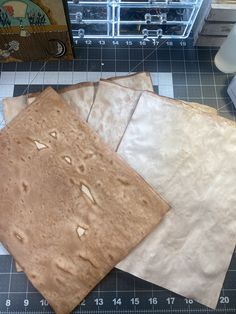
x=90, y=172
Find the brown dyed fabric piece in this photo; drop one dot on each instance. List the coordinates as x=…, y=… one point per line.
x=80, y=96
x=70, y=208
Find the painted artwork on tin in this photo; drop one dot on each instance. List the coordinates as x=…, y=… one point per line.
x=33, y=29
x=22, y=13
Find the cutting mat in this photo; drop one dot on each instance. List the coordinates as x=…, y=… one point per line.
x=183, y=73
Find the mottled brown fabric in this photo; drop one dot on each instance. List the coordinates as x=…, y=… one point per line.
x=70, y=208
x=80, y=96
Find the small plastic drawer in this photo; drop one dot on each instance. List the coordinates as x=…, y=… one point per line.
x=81, y=13
x=155, y=15
x=153, y=31
x=90, y=29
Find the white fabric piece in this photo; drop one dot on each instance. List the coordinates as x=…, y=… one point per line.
x=189, y=158
x=111, y=111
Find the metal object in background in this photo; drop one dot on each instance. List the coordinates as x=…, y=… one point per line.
x=232, y=91
x=129, y=19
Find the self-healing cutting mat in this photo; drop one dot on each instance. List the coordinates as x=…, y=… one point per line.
x=70, y=207
x=187, y=74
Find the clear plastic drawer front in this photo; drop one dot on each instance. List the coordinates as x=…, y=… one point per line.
x=133, y=19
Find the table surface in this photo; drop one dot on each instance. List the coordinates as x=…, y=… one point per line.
x=188, y=74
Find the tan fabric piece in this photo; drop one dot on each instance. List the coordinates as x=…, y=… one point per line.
x=200, y=108
x=203, y=108
x=70, y=208
x=189, y=157
x=12, y=106
x=18, y=268
x=82, y=95
x=140, y=81
x=111, y=111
